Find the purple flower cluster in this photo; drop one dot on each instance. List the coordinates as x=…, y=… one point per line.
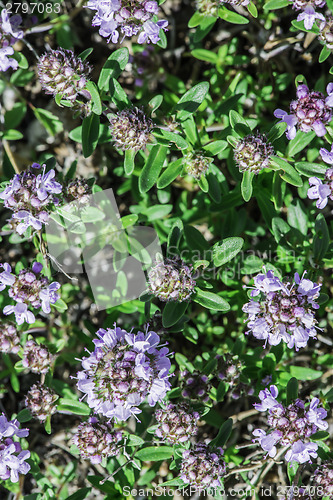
x=12, y=458
x=130, y=18
x=308, y=14
x=124, y=369
x=229, y=369
x=171, y=280
x=310, y=111
x=37, y=357
x=195, y=386
x=292, y=426
x=9, y=34
x=176, y=423
x=203, y=467
x=97, y=440
x=41, y=401
x=9, y=338
x=28, y=288
x=30, y=197
x=323, y=480
x=282, y=311
x=322, y=191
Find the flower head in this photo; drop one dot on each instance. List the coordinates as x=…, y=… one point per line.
x=28, y=288
x=124, y=369
x=31, y=196
x=196, y=163
x=134, y=18
x=41, y=400
x=130, y=129
x=203, y=466
x=97, y=440
x=9, y=34
x=176, y=423
x=310, y=111
x=9, y=338
x=326, y=32
x=282, y=311
x=12, y=458
x=61, y=72
x=37, y=357
x=291, y=425
x=323, y=479
x=171, y=280
x=211, y=7
x=195, y=386
x=319, y=190
x=253, y=153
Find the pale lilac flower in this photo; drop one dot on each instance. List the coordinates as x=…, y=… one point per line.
x=31, y=197
x=124, y=369
x=309, y=16
x=290, y=426
x=319, y=190
x=310, y=111
x=12, y=458
x=129, y=19
x=9, y=34
x=203, y=467
x=5, y=61
x=323, y=479
x=28, y=289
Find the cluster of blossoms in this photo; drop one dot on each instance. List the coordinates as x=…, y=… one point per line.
x=253, y=153
x=31, y=196
x=195, y=386
x=40, y=400
x=229, y=369
x=203, y=467
x=310, y=111
x=124, y=369
x=322, y=191
x=282, y=311
x=130, y=18
x=77, y=190
x=292, y=426
x=28, y=288
x=9, y=34
x=61, y=72
x=12, y=458
x=9, y=338
x=326, y=32
x=37, y=357
x=323, y=480
x=171, y=280
x=196, y=163
x=308, y=14
x=97, y=440
x=176, y=423
x=130, y=129
x=211, y=7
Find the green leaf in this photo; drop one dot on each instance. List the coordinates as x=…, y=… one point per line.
x=205, y=26
x=92, y=214
x=118, y=95
x=90, y=134
x=300, y=142
x=155, y=453
x=232, y=17
x=14, y=116
x=86, y=53
x=112, y=68
x=210, y=300
x=203, y=184
x=134, y=440
x=276, y=4
x=292, y=390
x=246, y=185
x=252, y=9
x=215, y=147
x=129, y=161
x=155, y=102
x=71, y=406
x=304, y=373
x=173, y=312
x=320, y=435
x=191, y=100
x=310, y=169
x=21, y=59
x=163, y=39
x=277, y=130
x=51, y=122
x=80, y=494
x=152, y=168
x=324, y=54
x=214, y=187
x=170, y=173
x=196, y=19
x=297, y=217
x=95, y=97
x=223, y=434
x=321, y=240
x=24, y=416
x=227, y=250
x=205, y=55
x=21, y=77
x=12, y=135
x=171, y=137
x=235, y=119
x=175, y=234
x=290, y=175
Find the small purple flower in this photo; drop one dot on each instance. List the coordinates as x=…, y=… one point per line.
x=12, y=458
x=9, y=34
x=130, y=19
x=310, y=111
x=319, y=190
x=323, y=479
x=30, y=197
x=309, y=16
x=21, y=312
x=290, y=426
x=203, y=466
x=124, y=369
